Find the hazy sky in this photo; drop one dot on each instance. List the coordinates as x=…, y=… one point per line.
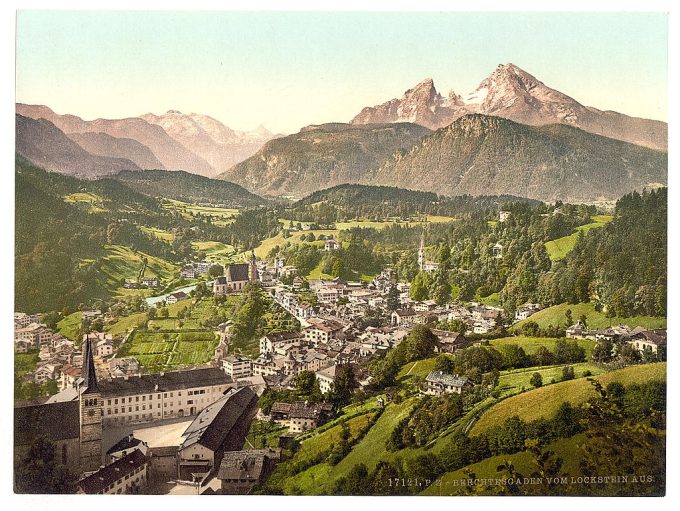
x=287, y=70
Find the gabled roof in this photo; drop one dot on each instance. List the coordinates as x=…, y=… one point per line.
x=58, y=421
x=108, y=475
x=236, y=272
x=447, y=379
x=162, y=382
x=216, y=421
x=245, y=465
x=127, y=442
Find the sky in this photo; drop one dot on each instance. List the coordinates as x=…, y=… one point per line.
x=288, y=70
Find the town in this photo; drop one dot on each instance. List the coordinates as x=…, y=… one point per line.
x=201, y=428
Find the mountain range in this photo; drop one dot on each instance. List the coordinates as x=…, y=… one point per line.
x=172, y=141
x=320, y=156
x=514, y=94
x=511, y=135
x=486, y=155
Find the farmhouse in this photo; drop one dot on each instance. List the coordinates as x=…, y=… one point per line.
x=241, y=470
x=579, y=331
x=330, y=245
x=649, y=340
x=526, y=310
x=449, y=342
x=176, y=297
x=301, y=416
x=439, y=383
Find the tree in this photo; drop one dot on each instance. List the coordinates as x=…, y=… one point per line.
x=569, y=317
x=584, y=320
x=163, y=312
x=343, y=386
x=216, y=270
x=536, y=380
x=603, y=351
x=305, y=383
x=392, y=302
x=628, y=354
x=419, y=287
x=38, y=471
x=567, y=373
x=419, y=343
x=444, y=364
x=151, y=313
x=356, y=482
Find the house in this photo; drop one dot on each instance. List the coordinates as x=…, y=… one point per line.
x=503, y=216
x=449, y=342
x=203, y=267
x=35, y=333
x=188, y=272
x=103, y=343
x=497, y=251
x=579, y=331
x=427, y=305
x=22, y=346
x=649, y=340
x=526, y=310
x=439, y=383
x=44, y=373
x=220, y=427
x=322, y=330
x=237, y=366
x=241, y=470
x=176, y=297
x=122, y=367
x=403, y=317
x=269, y=341
x=301, y=416
x=330, y=245
x=22, y=320
x=127, y=475
x=69, y=376
x=326, y=377
x=124, y=447
x=152, y=282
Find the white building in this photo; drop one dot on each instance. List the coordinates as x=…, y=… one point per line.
x=237, y=366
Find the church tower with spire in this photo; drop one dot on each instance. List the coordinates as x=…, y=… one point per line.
x=421, y=253
x=252, y=268
x=90, y=414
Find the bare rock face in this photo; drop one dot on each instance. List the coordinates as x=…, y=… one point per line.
x=514, y=94
x=45, y=145
x=218, y=144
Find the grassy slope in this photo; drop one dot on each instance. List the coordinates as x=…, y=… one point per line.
x=263, y=248
x=555, y=316
x=545, y=401
x=122, y=263
x=319, y=479
x=531, y=344
x=559, y=248
x=69, y=326
x=156, y=232
x=522, y=461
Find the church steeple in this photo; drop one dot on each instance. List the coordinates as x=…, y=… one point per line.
x=89, y=373
x=90, y=414
x=421, y=253
x=252, y=268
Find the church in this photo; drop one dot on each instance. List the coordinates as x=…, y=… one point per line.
x=424, y=264
x=236, y=276
x=74, y=426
